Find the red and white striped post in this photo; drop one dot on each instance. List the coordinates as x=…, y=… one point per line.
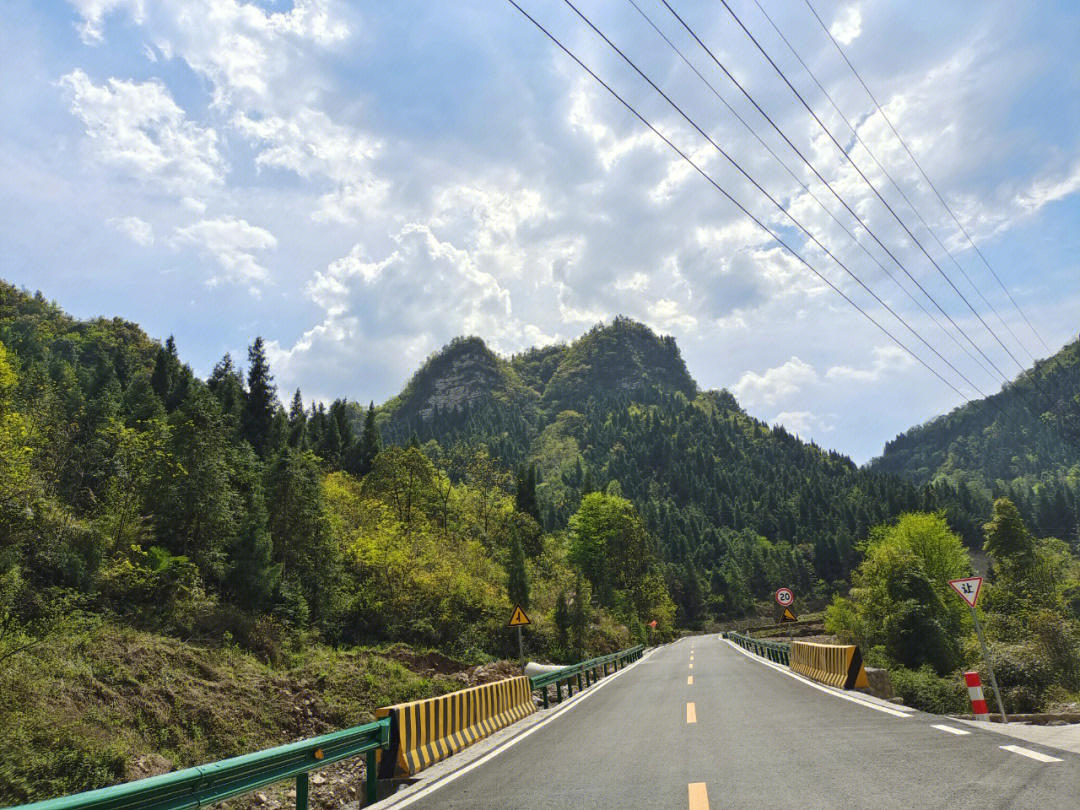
x=978, y=703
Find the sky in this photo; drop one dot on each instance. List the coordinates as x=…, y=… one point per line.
x=358, y=183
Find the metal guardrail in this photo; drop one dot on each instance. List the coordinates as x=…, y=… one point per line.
x=204, y=785
x=775, y=651
x=217, y=781
x=584, y=674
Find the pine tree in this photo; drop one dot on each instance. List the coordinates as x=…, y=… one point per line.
x=579, y=614
x=228, y=386
x=261, y=401
x=297, y=422
x=518, y=577
x=166, y=371
x=562, y=620
x=525, y=495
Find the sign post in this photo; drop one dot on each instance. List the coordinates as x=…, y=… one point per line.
x=969, y=589
x=785, y=598
x=519, y=620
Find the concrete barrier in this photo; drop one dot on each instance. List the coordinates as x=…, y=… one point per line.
x=427, y=731
x=838, y=665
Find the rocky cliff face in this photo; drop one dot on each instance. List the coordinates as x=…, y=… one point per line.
x=466, y=377
x=463, y=373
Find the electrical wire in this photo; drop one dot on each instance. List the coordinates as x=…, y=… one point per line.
x=776, y=237
x=937, y=193
x=892, y=180
x=1001, y=376
x=768, y=196
x=872, y=187
x=806, y=188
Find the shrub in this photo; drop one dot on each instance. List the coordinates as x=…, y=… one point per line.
x=925, y=689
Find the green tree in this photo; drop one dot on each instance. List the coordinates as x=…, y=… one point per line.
x=1008, y=542
x=579, y=615
x=517, y=585
x=298, y=422
x=261, y=403
x=301, y=533
x=610, y=545
x=525, y=492
x=369, y=441
x=562, y=620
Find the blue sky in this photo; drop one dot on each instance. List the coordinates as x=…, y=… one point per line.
x=360, y=182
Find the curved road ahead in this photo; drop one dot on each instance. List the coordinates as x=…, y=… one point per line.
x=743, y=734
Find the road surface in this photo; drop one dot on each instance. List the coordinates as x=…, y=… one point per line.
x=742, y=734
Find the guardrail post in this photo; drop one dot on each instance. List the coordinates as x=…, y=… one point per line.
x=558, y=692
x=302, y=791
x=372, y=779
x=547, y=689
x=579, y=686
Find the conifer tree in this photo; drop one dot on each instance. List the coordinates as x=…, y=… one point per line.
x=166, y=371
x=261, y=402
x=297, y=422
x=518, y=577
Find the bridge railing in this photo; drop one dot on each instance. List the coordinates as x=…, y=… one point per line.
x=215, y=782
x=584, y=674
x=776, y=651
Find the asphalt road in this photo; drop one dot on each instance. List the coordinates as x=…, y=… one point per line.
x=759, y=739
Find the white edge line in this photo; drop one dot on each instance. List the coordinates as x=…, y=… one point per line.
x=952, y=730
x=450, y=777
x=1027, y=752
x=817, y=686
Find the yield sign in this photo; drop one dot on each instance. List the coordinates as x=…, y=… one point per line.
x=968, y=588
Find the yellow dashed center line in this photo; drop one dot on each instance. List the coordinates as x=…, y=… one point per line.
x=691, y=665
x=691, y=713
x=699, y=798
x=689, y=680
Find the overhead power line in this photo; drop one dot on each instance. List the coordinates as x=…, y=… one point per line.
x=1001, y=376
x=772, y=234
x=760, y=188
x=872, y=187
x=937, y=193
x=892, y=180
x=807, y=189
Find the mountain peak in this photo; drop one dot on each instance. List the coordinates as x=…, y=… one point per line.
x=624, y=355
x=462, y=372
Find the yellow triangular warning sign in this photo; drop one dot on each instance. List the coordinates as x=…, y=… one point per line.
x=788, y=616
x=519, y=618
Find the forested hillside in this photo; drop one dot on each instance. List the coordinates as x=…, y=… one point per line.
x=162, y=535
x=1023, y=442
x=737, y=507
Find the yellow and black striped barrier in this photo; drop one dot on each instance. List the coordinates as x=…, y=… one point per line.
x=427, y=731
x=838, y=665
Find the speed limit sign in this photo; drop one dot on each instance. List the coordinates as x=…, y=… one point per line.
x=784, y=597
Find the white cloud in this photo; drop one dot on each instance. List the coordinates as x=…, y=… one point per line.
x=138, y=129
x=887, y=360
x=781, y=381
x=239, y=47
x=666, y=314
x=803, y=423
x=230, y=241
x=636, y=282
x=93, y=14
x=848, y=25
x=311, y=145
x=138, y=231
